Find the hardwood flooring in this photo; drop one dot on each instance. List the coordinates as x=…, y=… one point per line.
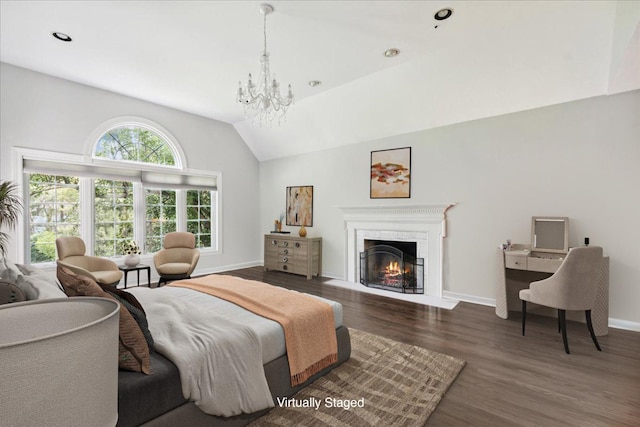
x=509, y=380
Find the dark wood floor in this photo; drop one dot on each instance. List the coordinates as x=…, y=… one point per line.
x=509, y=380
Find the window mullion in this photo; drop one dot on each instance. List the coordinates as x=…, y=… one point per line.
x=139, y=215
x=87, y=218
x=181, y=210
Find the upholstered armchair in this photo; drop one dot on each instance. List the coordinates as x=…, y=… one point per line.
x=178, y=258
x=572, y=287
x=71, y=254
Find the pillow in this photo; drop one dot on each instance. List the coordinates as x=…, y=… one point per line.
x=49, y=276
x=36, y=288
x=9, y=271
x=133, y=349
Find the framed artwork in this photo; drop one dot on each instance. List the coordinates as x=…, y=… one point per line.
x=300, y=205
x=391, y=174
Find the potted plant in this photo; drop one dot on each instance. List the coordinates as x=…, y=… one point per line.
x=10, y=209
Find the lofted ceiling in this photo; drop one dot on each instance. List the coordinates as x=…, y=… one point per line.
x=489, y=58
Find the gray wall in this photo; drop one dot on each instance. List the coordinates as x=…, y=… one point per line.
x=44, y=112
x=578, y=159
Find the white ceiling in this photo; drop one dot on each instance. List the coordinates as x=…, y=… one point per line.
x=489, y=58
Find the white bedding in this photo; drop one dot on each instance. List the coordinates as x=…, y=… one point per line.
x=218, y=347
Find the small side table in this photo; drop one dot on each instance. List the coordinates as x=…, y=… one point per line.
x=126, y=269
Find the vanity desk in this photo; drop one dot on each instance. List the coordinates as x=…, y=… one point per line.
x=519, y=265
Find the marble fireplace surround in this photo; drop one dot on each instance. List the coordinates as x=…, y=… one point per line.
x=423, y=224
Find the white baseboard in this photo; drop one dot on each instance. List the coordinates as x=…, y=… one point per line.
x=223, y=268
x=470, y=298
x=624, y=324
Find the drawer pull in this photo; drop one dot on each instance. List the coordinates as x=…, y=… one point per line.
x=285, y=243
x=274, y=242
x=285, y=259
x=286, y=251
x=297, y=244
x=285, y=267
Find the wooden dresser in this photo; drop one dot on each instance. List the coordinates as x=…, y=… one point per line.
x=297, y=255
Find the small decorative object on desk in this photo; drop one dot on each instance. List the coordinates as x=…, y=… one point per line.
x=303, y=231
x=131, y=250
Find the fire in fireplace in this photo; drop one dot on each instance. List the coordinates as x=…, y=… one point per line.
x=392, y=266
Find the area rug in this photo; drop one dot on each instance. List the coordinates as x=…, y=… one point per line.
x=385, y=383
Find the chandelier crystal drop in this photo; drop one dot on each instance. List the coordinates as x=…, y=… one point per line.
x=262, y=100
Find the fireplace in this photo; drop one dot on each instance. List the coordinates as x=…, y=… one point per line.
x=424, y=225
x=392, y=266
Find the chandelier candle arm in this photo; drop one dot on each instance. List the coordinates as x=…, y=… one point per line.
x=264, y=102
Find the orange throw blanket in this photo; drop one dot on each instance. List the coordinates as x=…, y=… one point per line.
x=308, y=324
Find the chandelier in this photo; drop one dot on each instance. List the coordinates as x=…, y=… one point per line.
x=262, y=100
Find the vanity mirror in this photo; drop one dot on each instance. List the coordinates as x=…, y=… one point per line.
x=550, y=234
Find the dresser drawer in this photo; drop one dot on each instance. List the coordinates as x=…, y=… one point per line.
x=516, y=262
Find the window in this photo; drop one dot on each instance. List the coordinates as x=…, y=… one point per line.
x=136, y=144
x=161, y=217
x=134, y=187
x=199, y=218
x=54, y=210
x=113, y=215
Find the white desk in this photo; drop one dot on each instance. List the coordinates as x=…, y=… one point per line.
x=518, y=267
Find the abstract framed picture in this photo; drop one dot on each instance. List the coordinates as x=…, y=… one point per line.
x=300, y=205
x=391, y=174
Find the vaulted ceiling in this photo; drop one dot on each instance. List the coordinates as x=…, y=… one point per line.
x=489, y=58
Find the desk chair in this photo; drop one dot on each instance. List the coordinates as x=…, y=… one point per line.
x=573, y=287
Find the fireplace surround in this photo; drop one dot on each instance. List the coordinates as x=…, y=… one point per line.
x=423, y=224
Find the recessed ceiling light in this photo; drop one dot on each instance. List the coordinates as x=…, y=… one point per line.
x=443, y=14
x=390, y=53
x=61, y=36
x=314, y=83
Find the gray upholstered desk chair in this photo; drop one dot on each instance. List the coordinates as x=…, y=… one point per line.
x=573, y=287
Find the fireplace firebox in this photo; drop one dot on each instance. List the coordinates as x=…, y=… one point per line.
x=392, y=266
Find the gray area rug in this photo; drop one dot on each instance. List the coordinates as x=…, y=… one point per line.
x=385, y=383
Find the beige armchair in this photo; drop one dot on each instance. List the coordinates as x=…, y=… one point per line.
x=71, y=255
x=573, y=287
x=178, y=258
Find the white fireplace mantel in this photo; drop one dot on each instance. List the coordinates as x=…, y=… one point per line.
x=424, y=224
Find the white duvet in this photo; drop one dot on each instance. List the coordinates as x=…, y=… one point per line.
x=220, y=360
x=218, y=347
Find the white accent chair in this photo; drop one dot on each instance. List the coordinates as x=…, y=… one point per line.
x=71, y=254
x=572, y=287
x=178, y=258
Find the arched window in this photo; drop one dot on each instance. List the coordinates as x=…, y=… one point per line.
x=135, y=144
x=136, y=186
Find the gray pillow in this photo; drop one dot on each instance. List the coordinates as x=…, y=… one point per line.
x=35, y=288
x=9, y=271
x=40, y=273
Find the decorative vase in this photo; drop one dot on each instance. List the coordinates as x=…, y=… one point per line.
x=131, y=260
x=303, y=231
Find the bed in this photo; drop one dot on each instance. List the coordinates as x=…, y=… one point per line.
x=159, y=399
